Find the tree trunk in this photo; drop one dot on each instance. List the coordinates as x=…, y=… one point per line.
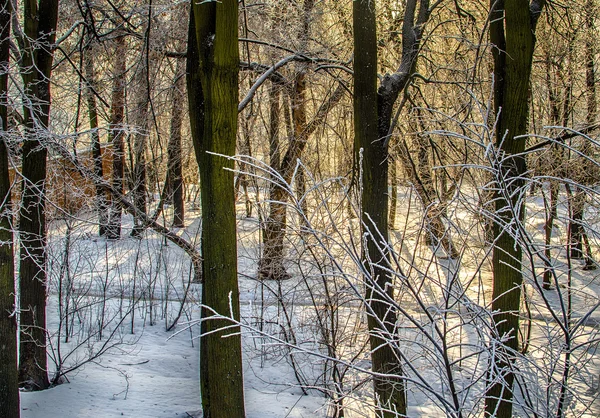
x=394, y=196
x=271, y=263
x=90, y=75
x=214, y=25
x=512, y=76
x=389, y=391
x=9, y=383
x=140, y=137
x=548, y=226
x=39, y=27
x=174, y=164
x=117, y=114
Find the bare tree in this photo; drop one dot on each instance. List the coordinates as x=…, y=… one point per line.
x=512, y=34
x=37, y=44
x=9, y=384
x=213, y=82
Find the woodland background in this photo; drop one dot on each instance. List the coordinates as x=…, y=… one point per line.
x=360, y=208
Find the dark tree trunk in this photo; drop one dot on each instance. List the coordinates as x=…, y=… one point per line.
x=9, y=383
x=511, y=98
x=389, y=391
x=215, y=26
x=40, y=27
x=117, y=115
x=174, y=164
x=548, y=226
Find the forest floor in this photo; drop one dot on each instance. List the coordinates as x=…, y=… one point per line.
x=111, y=303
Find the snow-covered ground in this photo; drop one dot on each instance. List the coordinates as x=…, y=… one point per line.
x=302, y=334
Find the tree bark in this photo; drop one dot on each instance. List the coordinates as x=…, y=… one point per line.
x=91, y=85
x=215, y=26
x=512, y=37
x=174, y=164
x=140, y=138
x=117, y=115
x=39, y=28
x=389, y=391
x=9, y=383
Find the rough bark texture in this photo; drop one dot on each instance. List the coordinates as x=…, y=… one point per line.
x=117, y=114
x=512, y=69
x=389, y=391
x=39, y=27
x=216, y=40
x=9, y=383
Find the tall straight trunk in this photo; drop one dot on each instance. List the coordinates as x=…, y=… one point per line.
x=39, y=27
x=216, y=41
x=117, y=119
x=174, y=164
x=548, y=226
x=513, y=40
x=555, y=161
x=140, y=138
x=9, y=383
x=579, y=240
x=389, y=390
x=90, y=75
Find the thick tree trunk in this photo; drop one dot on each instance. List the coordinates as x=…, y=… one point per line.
x=9, y=383
x=40, y=27
x=512, y=76
x=389, y=390
x=117, y=115
x=216, y=40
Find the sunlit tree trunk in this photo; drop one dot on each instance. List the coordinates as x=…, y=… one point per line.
x=139, y=112
x=214, y=33
x=174, y=164
x=9, y=382
x=91, y=88
x=271, y=262
x=116, y=127
x=394, y=196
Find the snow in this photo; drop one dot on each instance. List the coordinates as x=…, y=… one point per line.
x=154, y=373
